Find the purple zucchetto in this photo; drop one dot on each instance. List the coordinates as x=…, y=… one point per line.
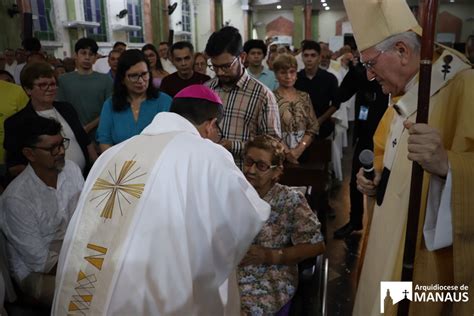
x=198, y=91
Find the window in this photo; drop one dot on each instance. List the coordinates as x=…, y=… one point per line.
x=186, y=16
x=42, y=16
x=134, y=8
x=94, y=12
x=185, y=35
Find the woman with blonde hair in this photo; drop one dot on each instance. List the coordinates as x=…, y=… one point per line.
x=299, y=123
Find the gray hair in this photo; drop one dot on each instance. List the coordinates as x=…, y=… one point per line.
x=410, y=38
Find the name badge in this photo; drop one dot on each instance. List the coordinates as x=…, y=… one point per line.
x=363, y=113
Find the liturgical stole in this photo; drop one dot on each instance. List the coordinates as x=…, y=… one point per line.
x=443, y=70
x=105, y=224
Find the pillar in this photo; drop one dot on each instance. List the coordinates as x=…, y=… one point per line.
x=298, y=26
x=308, y=8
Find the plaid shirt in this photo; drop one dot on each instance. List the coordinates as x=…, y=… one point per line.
x=250, y=109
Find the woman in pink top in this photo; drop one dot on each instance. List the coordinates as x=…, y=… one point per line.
x=157, y=71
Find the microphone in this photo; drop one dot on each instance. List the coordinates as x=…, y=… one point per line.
x=366, y=158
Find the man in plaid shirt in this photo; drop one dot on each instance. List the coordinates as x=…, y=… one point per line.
x=250, y=107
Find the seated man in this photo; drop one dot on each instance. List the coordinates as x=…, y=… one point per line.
x=36, y=208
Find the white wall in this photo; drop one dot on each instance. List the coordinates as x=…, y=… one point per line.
x=61, y=46
x=203, y=9
x=327, y=20
x=61, y=43
x=266, y=16
x=232, y=11
x=327, y=23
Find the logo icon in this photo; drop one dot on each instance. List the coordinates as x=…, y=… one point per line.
x=393, y=292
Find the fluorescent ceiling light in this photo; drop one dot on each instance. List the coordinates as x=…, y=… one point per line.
x=325, y=4
x=327, y=8
x=322, y=1
x=278, y=7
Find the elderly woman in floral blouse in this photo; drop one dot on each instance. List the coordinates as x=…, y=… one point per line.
x=299, y=123
x=268, y=274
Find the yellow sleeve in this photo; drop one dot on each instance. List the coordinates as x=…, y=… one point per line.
x=22, y=100
x=380, y=138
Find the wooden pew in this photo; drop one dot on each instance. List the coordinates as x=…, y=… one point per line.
x=313, y=174
x=313, y=272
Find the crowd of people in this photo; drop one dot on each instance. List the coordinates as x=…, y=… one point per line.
x=64, y=120
x=159, y=173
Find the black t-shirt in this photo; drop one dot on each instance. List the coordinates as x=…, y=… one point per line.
x=322, y=90
x=173, y=83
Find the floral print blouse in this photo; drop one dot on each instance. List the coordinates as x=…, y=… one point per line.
x=265, y=289
x=297, y=118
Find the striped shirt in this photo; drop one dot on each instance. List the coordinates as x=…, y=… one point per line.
x=250, y=109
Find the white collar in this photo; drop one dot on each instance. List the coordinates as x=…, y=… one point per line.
x=166, y=122
x=413, y=81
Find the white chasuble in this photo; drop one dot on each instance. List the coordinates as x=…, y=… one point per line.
x=159, y=233
x=108, y=214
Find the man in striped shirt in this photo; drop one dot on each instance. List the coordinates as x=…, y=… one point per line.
x=250, y=107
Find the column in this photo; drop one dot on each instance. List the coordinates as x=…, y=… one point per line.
x=308, y=8
x=298, y=26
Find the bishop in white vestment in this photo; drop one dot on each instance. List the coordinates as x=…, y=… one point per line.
x=163, y=220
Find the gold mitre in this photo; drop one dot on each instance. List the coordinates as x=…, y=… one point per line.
x=375, y=20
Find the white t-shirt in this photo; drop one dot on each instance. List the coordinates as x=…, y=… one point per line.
x=74, y=151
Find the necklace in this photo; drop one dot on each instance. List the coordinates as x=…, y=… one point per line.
x=135, y=109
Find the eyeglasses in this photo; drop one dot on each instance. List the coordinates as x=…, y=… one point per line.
x=369, y=64
x=135, y=77
x=55, y=149
x=45, y=86
x=220, y=134
x=225, y=67
x=262, y=166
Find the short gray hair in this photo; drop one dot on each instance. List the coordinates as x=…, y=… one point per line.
x=410, y=38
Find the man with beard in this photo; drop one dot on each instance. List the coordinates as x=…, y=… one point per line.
x=250, y=107
x=182, y=55
x=36, y=208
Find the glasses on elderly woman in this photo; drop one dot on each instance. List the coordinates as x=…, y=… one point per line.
x=43, y=86
x=262, y=166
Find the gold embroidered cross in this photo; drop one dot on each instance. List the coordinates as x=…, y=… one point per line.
x=117, y=190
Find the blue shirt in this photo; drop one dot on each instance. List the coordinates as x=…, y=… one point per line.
x=267, y=77
x=115, y=127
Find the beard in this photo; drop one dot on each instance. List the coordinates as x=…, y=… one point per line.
x=59, y=164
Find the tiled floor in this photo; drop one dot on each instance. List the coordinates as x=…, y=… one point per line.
x=343, y=255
